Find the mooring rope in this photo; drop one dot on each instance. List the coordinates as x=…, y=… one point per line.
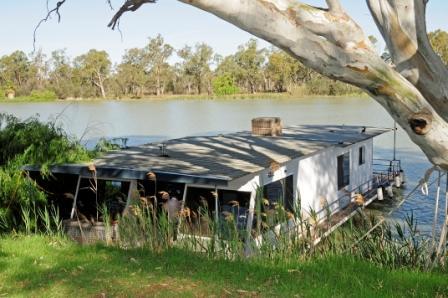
x=423, y=183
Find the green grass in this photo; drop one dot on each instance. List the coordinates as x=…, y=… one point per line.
x=41, y=266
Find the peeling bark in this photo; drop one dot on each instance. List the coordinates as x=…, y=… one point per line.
x=403, y=26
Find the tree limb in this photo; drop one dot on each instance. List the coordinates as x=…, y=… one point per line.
x=47, y=17
x=403, y=26
x=334, y=6
x=129, y=5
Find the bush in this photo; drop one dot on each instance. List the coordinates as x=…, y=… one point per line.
x=224, y=85
x=29, y=142
x=17, y=193
x=38, y=143
x=43, y=95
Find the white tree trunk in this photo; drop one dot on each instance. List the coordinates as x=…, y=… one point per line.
x=99, y=82
x=330, y=42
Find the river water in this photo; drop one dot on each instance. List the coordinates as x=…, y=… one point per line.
x=146, y=121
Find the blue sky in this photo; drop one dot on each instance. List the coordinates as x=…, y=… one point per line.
x=83, y=26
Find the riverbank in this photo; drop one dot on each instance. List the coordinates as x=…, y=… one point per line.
x=285, y=95
x=43, y=266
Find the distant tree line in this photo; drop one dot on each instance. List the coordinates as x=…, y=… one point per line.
x=147, y=72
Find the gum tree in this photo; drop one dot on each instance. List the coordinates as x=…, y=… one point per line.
x=95, y=68
x=157, y=53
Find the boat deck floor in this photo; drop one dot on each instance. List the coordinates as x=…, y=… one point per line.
x=337, y=219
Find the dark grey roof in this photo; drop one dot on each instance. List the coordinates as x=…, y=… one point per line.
x=222, y=158
x=234, y=155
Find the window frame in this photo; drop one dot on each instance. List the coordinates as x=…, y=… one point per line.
x=343, y=170
x=362, y=155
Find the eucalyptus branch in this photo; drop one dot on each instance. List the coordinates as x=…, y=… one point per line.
x=129, y=5
x=46, y=18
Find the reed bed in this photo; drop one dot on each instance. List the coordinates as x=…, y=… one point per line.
x=277, y=236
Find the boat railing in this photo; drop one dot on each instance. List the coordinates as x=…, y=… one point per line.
x=386, y=169
x=367, y=189
x=348, y=196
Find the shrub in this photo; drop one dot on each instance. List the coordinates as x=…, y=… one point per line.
x=43, y=95
x=17, y=193
x=29, y=142
x=224, y=85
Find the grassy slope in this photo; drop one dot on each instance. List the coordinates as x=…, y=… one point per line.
x=50, y=267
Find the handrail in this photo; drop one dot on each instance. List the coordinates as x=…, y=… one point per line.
x=349, y=193
x=371, y=184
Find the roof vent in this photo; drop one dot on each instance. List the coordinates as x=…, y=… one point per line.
x=267, y=126
x=162, y=150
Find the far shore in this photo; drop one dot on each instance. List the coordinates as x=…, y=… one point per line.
x=185, y=97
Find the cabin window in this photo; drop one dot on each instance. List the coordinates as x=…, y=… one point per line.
x=343, y=170
x=362, y=155
x=233, y=212
x=277, y=204
x=280, y=193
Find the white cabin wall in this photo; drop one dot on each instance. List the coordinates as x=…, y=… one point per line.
x=317, y=179
x=361, y=174
x=250, y=183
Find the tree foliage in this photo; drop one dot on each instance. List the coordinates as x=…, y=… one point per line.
x=196, y=66
x=94, y=69
x=224, y=85
x=157, y=53
x=439, y=41
x=147, y=71
x=250, y=60
x=35, y=143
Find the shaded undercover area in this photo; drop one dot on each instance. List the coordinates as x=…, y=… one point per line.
x=93, y=196
x=60, y=189
x=202, y=205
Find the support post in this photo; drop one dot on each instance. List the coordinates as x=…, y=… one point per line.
x=395, y=140
x=216, y=206
x=250, y=219
x=72, y=213
x=132, y=187
x=182, y=207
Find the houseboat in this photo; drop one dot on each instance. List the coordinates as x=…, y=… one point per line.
x=311, y=171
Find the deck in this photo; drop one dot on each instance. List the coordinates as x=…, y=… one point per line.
x=383, y=177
